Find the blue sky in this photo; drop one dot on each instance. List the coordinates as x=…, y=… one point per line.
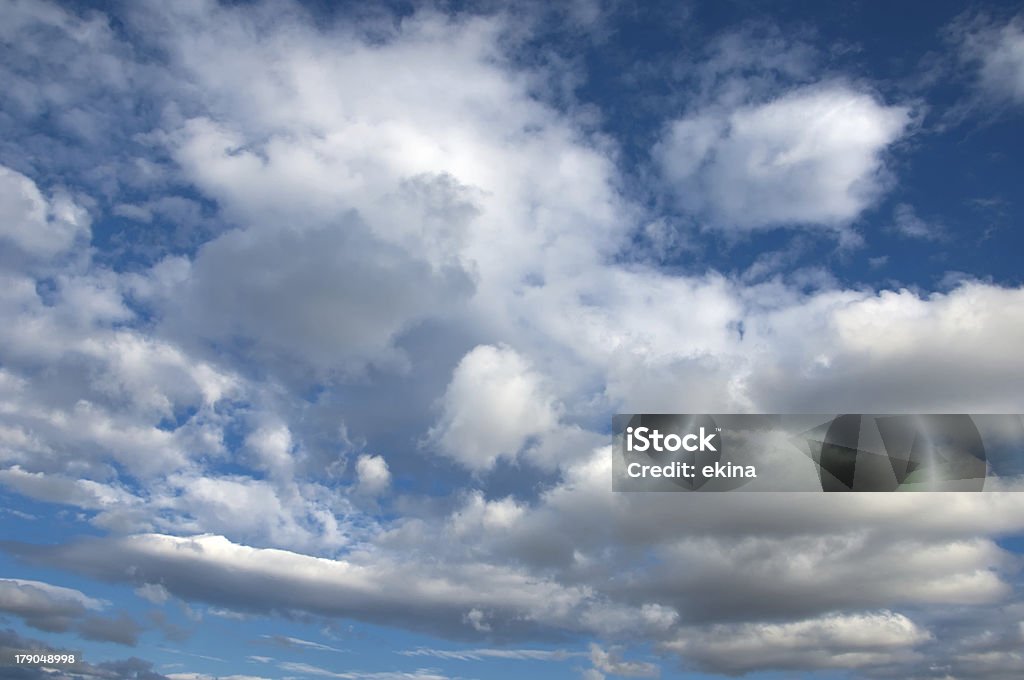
x=315, y=315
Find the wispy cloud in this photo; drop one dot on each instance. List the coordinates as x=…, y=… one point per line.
x=297, y=643
x=480, y=654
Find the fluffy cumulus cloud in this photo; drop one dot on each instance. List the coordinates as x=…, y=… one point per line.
x=374, y=475
x=882, y=349
x=366, y=204
x=813, y=156
x=495, y=403
x=383, y=291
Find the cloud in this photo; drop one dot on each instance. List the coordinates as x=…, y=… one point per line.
x=813, y=157
x=326, y=298
x=493, y=406
x=298, y=643
x=44, y=606
x=478, y=620
x=748, y=558
x=374, y=588
x=112, y=388
x=38, y=227
x=996, y=52
x=204, y=676
x=477, y=517
x=317, y=671
x=373, y=474
x=82, y=493
x=112, y=420
x=274, y=450
x=608, y=661
x=368, y=212
x=479, y=654
x=885, y=351
x=992, y=664
x=302, y=516
x=372, y=250
x=834, y=641
x=12, y=643
x=171, y=631
x=121, y=629
x=907, y=223
x=57, y=609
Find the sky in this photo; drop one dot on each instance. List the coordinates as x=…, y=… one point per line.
x=314, y=318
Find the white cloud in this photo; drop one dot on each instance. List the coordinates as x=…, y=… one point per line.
x=478, y=654
x=40, y=228
x=153, y=592
x=273, y=447
x=204, y=676
x=805, y=575
x=896, y=351
x=27, y=592
x=373, y=474
x=494, y=404
x=287, y=641
x=907, y=223
x=89, y=389
x=304, y=517
x=478, y=620
x=608, y=661
x=811, y=157
x=316, y=671
x=360, y=212
x=478, y=514
x=997, y=52
x=373, y=586
x=367, y=204
x=833, y=641
x=83, y=493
